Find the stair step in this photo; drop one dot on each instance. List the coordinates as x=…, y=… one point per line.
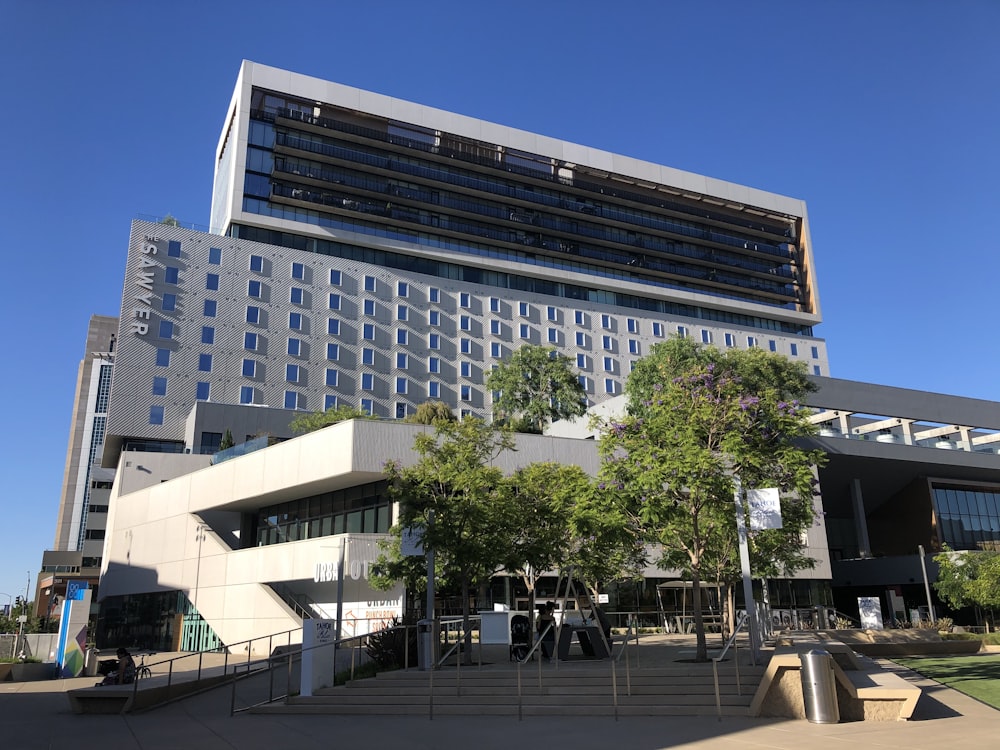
x=501, y=710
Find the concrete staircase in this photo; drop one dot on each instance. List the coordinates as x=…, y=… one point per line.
x=569, y=689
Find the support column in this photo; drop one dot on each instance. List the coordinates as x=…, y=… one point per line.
x=860, y=519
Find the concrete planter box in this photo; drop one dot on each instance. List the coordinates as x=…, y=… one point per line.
x=30, y=672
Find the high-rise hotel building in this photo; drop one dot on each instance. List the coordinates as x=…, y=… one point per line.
x=379, y=253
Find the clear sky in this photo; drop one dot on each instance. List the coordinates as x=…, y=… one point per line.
x=884, y=115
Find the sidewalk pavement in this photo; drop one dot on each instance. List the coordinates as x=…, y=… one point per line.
x=36, y=715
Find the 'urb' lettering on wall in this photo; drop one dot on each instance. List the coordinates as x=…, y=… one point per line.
x=144, y=282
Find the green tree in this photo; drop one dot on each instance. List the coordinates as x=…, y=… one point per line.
x=459, y=501
x=316, y=420
x=170, y=221
x=430, y=412
x=227, y=440
x=536, y=386
x=698, y=417
x=970, y=577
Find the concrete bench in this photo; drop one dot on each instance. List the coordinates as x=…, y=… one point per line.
x=108, y=699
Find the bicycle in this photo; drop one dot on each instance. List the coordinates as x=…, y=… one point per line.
x=142, y=671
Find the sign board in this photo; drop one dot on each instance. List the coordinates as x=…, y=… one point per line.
x=765, y=508
x=411, y=542
x=318, y=653
x=870, y=609
x=602, y=599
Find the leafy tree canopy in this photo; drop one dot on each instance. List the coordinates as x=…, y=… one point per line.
x=312, y=421
x=969, y=577
x=536, y=386
x=430, y=412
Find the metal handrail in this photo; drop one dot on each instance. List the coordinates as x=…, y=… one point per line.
x=531, y=652
x=628, y=667
x=742, y=621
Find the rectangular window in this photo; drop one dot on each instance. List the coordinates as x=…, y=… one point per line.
x=170, y=274
x=658, y=329
x=730, y=340
x=370, y=283
x=465, y=322
x=249, y=368
x=553, y=335
x=163, y=358
x=751, y=342
x=334, y=277
x=205, y=362
x=368, y=356
x=815, y=353
x=369, y=307
x=166, y=329
x=401, y=384
x=433, y=364
x=584, y=383
x=246, y=394
x=295, y=321
x=296, y=295
x=581, y=361
x=159, y=386
x=552, y=313
x=816, y=370
x=202, y=391
x=580, y=318
x=400, y=411
x=610, y=386
x=466, y=392
x=433, y=294
x=401, y=358
x=329, y=402
x=609, y=364
x=294, y=347
x=523, y=309
x=333, y=352
x=434, y=341
x=402, y=312
x=212, y=282
x=494, y=304
x=772, y=345
x=581, y=338
x=257, y=263
x=495, y=327
x=169, y=302
x=682, y=331
x=434, y=318
x=466, y=368
x=214, y=256
x=299, y=271
x=367, y=381
x=433, y=389
x=495, y=350
x=210, y=308
x=608, y=343
x=156, y=414
x=367, y=406
x=250, y=341
x=291, y=400
x=292, y=373
x=465, y=346
x=794, y=349
x=173, y=249
x=633, y=346
x=333, y=326
x=402, y=289
x=368, y=331
x=706, y=336
x=464, y=299
x=633, y=325
x=253, y=315
x=606, y=321
x=253, y=288
x=525, y=331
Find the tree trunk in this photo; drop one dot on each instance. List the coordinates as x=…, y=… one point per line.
x=701, y=649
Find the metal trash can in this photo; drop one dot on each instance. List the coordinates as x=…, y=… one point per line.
x=90, y=663
x=427, y=638
x=819, y=687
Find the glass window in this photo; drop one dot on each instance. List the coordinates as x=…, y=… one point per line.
x=174, y=249
x=815, y=352
x=794, y=348
x=246, y=394
x=401, y=359
x=772, y=345
x=583, y=382
x=402, y=289
x=296, y=295
x=367, y=381
x=402, y=312
x=214, y=256
x=257, y=263
x=434, y=318
x=581, y=361
x=706, y=336
x=609, y=364
x=495, y=327
x=552, y=313
x=368, y=331
x=402, y=336
x=291, y=400
x=334, y=277
x=292, y=373
x=466, y=368
x=495, y=350
x=329, y=402
x=400, y=414
x=333, y=352
x=434, y=294
x=433, y=364
x=368, y=356
x=633, y=346
x=464, y=299
x=249, y=368
x=202, y=391
x=401, y=384
x=250, y=340
x=159, y=386
x=369, y=307
x=163, y=358
x=658, y=329
x=170, y=274
x=682, y=331
x=333, y=326
x=553, y=335
x=633, y=325
x=730, y=340
x=370, y=283
x=494, y=304
x=581, y=338
x=210, y=307
x=523, y=309
x=606, y=321
x=367, y=406
x=253, y=315
x=609, y=386
x=466, y=392
x=156, y=414
x=433, y=389
x=205, y=362
x=434, y=341
x=608, y=343
x=465, y=346
x=166, y=329
x=580, y=318
x=169, y=302
x=294, y=347
x=299, y=271
x=751, y=342
x=816, y=370
x=253, y=288
x=295, y=321
x=212, y=282
x=331, y=377
x=525, y=330
x=465, y=323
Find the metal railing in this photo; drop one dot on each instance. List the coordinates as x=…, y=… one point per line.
x=742, y=622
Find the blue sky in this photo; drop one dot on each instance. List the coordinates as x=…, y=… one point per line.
x=883, y=115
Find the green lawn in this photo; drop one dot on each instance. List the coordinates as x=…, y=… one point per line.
x=978, y=676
